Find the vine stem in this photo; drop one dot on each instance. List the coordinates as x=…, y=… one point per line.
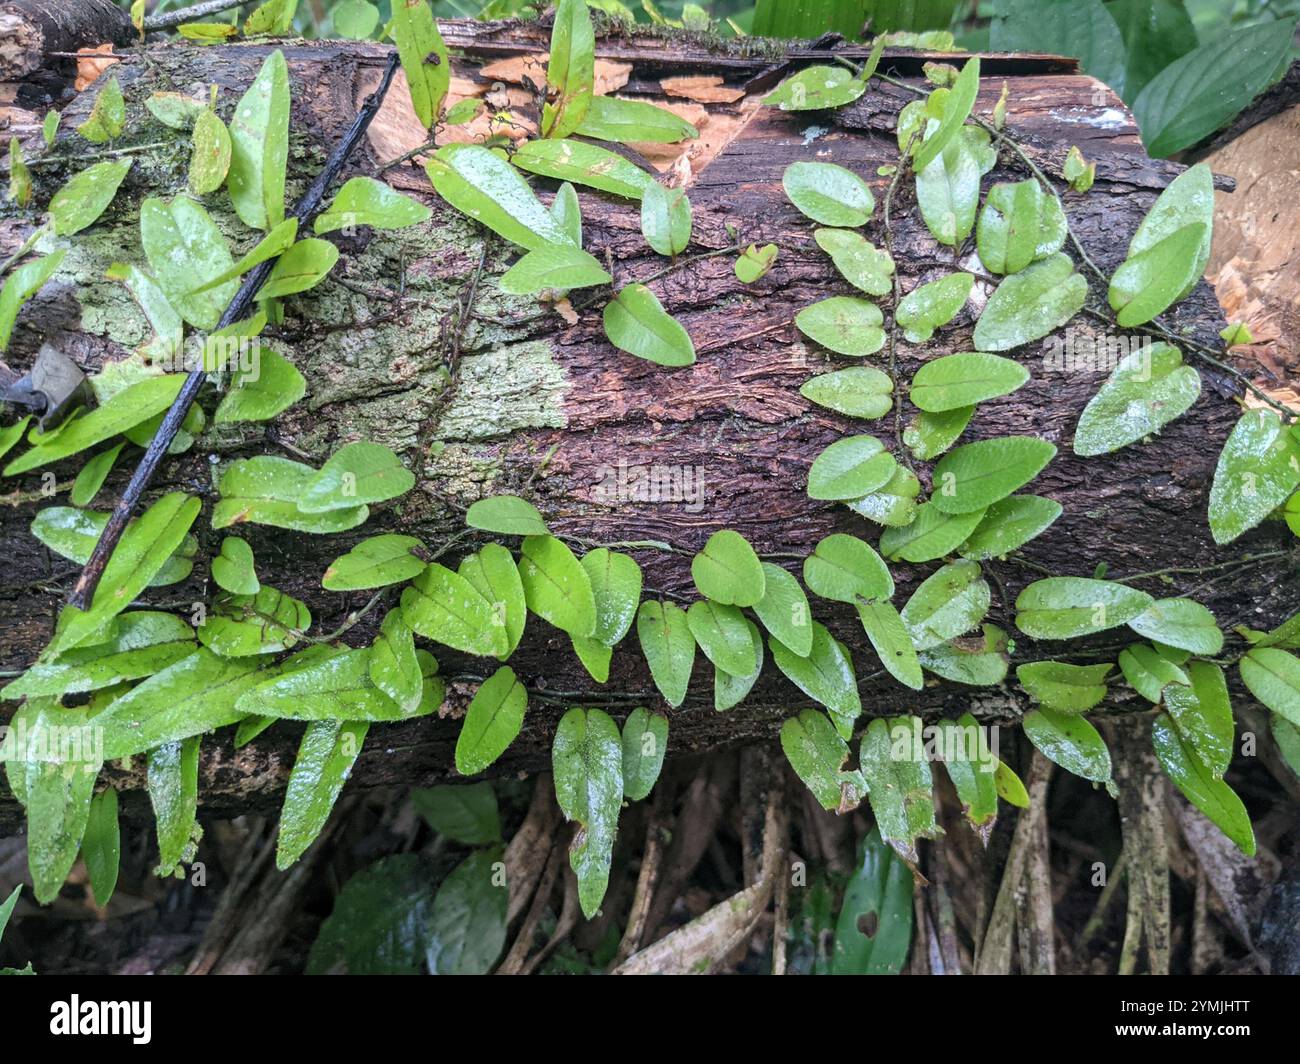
x=888, y=235
x=84, y=589
x=189, y=14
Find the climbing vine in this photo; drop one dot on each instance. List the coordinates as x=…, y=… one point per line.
x=119, y=682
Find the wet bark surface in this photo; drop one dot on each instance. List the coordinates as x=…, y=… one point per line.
x=501, y=398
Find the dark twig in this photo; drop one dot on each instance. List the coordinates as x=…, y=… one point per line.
x=238, y=309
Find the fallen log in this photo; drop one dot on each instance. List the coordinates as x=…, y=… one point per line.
x=411, y=344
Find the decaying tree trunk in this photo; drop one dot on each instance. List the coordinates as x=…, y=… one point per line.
x=411, y=344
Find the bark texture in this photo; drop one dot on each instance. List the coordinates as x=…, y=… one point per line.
x=412, y=344
x=31, y=29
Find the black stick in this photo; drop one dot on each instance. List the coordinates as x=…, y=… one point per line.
x=84, y=589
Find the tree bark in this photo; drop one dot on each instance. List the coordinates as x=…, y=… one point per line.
x=411, y=344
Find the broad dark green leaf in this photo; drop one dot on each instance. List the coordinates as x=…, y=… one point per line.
x=664, y=633
x=1200, y=92
x=645, y=740
x=829, y=194
x=825, y=675
x=483, y=186
x=259, y=141
x=616, y=588
x=900, y=788
x=381, y=922
x=1080, y=28
x=954, y=381
x=877, y=898
x=466, y=812
x=846, y=325
x=976, y=475
x=931, y=535
x=583, y=164
x=80, y=202
x=728, y=571
x=328, y=750
x=1200, y=786
x=1030, y=304
x=1258, y=469
x=1155, y=32
x=1065, y=607
x=301, y=267
x=492, y=721
x=587, y=761
x=970, y=765
x=443, y=606
x=850, y=468
x=556, y=586
x=375, y=562
x=636, y=322
x=468, y=923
